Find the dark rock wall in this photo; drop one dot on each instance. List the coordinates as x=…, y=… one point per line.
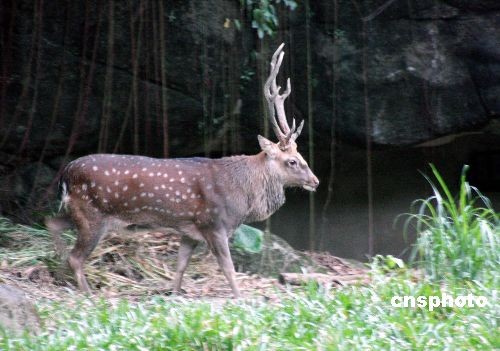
x=179, y=78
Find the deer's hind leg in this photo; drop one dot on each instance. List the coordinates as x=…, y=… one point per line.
x=90, y=230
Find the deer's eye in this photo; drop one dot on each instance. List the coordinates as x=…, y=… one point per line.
x=292, y=163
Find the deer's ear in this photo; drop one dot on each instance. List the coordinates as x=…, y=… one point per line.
x=270, y=148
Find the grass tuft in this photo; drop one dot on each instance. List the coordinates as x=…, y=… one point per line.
x=458, y=237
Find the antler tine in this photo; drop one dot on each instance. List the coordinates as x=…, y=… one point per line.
x=296, y=134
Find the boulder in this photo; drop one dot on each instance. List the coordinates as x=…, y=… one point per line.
x=17, y=313
x=276, y=256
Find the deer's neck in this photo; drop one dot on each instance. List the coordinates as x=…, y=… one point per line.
x=260, y=190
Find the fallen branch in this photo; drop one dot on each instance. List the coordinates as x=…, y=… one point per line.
x=321, y=278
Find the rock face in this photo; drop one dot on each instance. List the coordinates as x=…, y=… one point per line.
x=17, y=313
x=431, y=68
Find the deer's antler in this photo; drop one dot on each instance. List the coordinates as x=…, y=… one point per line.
x=275, y=103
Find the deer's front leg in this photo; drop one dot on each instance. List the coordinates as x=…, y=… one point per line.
x=185, y=252
x=219, y=244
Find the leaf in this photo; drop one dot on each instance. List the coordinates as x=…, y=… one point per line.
x=247, y=238
x=237, y=24
x=394, y=262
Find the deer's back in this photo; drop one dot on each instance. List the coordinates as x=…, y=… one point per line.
x=139, y=189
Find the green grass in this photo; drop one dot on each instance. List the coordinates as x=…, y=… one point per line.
x=351, y=318
x=457, y=247
x=458, y=237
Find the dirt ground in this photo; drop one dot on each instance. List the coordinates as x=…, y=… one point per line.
x=203, y=280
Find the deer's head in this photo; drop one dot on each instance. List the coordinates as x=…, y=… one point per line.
x=283, y=156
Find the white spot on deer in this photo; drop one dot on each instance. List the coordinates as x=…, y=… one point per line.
x=193, y=195
x=180, y=172
x=84, y=187
x=141, y=185
x=117, y=195
x=83, y=165
x=113, y=170
x=134, y=198
x=163, y=186
x=126, y=172
x=177, y=200
x=95, y=168
x=158, y=174
x=108, y=189
x=165, y=175
x=105, y=201
x=184, y=197
x=144, y=169
x=159, y=201
x=118, y=173
x=106, y=173
x=134, y=176
x=116, y=183
x=207, y=210
x=151, y=174
x=157, y=187
x=99, y=187
x=194, y=179
x=167, y=195
x=172, y=180
x=125, y=187
x=92, y=184
x=190, y=213
x=177, y=166
x=183, y=180
x=198, y=213
x=209, y=186
x=151, y=195
x=143, y=194
x=170, y=188
x=125, y=204
x=188, y=190
x=181, y=214
x=172, y=199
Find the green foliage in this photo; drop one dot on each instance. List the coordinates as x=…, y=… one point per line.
x=458, y=237
x=249, y=239
x=350, y=318
x=264, y=16
x=387, y=263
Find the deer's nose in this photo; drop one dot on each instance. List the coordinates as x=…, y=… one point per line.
x=315, y=180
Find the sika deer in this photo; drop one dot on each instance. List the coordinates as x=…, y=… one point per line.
x=201, y=198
